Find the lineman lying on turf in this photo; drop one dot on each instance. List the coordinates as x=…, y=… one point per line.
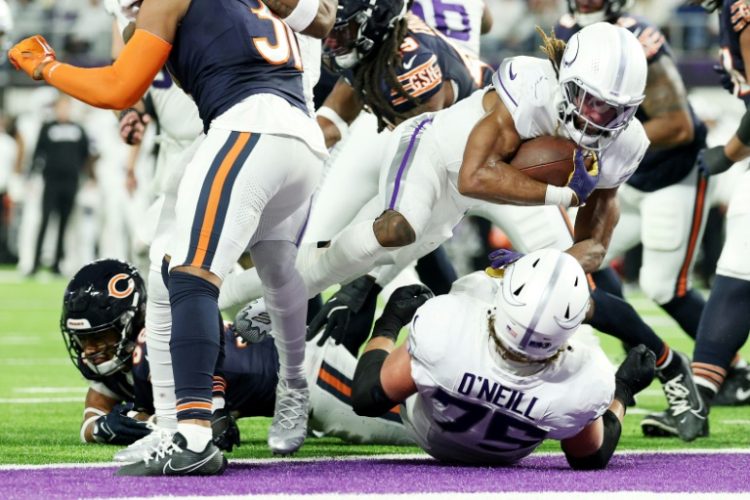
x=104, y=308
x=490, y=370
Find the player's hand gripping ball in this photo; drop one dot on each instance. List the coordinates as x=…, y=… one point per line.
x=31, y=54
x=585, y=174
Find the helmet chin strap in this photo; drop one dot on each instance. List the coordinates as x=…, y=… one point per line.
x=584, y=20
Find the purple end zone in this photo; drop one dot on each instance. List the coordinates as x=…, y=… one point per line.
x=707, y=473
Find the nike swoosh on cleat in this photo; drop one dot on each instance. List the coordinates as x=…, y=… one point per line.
x=408, y=65
x=743, y=394
x=189, y=468
x=510, y=72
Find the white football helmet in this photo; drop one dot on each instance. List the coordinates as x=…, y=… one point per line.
x=544, y=297
x=602, y=78
x=253, y=323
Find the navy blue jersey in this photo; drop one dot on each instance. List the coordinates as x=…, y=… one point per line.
x=227, y=50
x=250, y=373
x=661, y=167
x=428, y=61
x=733, y=19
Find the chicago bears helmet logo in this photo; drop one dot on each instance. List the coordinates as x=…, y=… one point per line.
x=115, y=289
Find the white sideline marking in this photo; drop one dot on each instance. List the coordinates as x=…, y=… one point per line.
x=387, y=456
x=50, y=390
x=735, y=422
x=511, y=495
x=19, y=339
x=35, y=361
x=37, y=401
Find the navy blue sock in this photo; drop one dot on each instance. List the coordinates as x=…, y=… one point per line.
x=686, y=311
x=725, y=323
x=607, y=280
x=615, y=317
x=195, y=343
x=436, y=271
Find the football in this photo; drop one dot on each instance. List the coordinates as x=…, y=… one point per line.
x=548, y=159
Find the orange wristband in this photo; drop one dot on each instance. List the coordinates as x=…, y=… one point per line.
x=119, y=85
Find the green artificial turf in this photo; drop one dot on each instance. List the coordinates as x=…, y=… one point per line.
x=34, y=366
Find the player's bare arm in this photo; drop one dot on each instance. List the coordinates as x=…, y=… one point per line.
x=593, y=447
x=666, y=103
x=321, y=23
x=339, y=110
x=121, y=84
x=383, y=377
x=485, y=173
x=594, y=225
x=441, y=100
x=96, y=405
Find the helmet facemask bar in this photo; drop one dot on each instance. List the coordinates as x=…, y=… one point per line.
x=593, y=132
x=123, y=347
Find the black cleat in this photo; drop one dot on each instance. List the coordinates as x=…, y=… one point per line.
x=172, y=458
x=735, y=391
x=662, y=424
x=226, y=434
x=686, y=409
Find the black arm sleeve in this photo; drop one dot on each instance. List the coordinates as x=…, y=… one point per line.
x=368, y=397
x=600, y=458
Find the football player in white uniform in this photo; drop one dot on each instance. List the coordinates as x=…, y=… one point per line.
x=461, y=21
x=492, y=369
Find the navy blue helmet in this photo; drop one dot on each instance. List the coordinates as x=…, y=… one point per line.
x=104, y=310
x=361, y=25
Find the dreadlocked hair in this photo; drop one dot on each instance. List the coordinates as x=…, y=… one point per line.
x=553, y=47
x=382, y=65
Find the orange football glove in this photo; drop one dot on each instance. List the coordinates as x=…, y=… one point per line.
x=29, y=55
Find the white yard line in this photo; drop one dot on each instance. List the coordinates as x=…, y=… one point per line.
x=37, y=401
x=50, y=390
x=388, y=456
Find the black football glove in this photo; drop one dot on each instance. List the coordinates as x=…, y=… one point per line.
x=117, y=428
x=226, y=434
x=351, y=309
x=634, y=374
x=712, y=161
x=400, y=309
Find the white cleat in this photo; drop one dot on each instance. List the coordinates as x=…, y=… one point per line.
x=145, y=446
x=289, y=427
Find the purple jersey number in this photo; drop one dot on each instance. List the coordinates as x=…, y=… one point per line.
x=440, y=8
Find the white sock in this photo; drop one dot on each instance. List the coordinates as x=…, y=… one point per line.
x=158, y=333
x=197, y=436
x=218, y=403
x=354, y=252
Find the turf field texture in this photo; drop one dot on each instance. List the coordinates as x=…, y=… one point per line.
x=41, y=402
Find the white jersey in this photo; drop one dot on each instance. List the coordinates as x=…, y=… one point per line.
x=472, y=407
x=530, y=90
x=459, y=20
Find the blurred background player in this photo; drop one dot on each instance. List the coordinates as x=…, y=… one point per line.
x=725, y=324
x=516, y=377
x=202, y=247
x=62, y=153
x=103, y=312
x=663, y=205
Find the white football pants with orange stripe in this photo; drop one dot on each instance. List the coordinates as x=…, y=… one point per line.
x=669, y=223
x=329, y=370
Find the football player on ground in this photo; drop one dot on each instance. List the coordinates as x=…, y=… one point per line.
x=492, y=369
x=179, y=126
x=725, y=323
x=103, y=311
x=663, y=203
x=259, y=140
